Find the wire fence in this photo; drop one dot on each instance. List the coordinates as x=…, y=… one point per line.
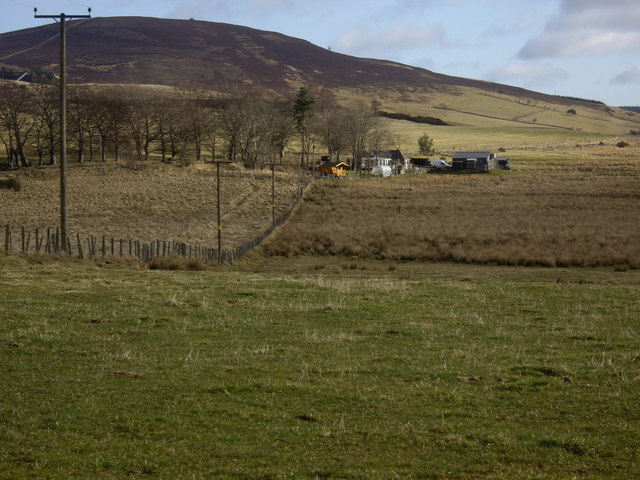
x=48, y=241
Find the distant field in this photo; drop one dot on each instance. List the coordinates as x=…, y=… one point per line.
x=551, y=209
x=157, y=202
x=318, y=368
x=562, y=204
x=480, y=119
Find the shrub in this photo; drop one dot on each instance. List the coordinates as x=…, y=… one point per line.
x=622, y=144
x=11, y=183
x=177, y=263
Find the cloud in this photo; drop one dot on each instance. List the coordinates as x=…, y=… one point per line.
x=629, y=76
x=588, y=27
x=527, y=74
x=375, y=42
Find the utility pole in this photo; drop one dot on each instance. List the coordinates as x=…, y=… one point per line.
x=273, y=189
x=217, y=164
x=64, y=222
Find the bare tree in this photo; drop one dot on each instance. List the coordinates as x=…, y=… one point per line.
x=366, y=133
x=16, y=118
x=46, y=109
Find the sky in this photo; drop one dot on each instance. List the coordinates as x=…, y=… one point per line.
x=579, y=48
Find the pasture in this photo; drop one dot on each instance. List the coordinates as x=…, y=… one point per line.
x=317, y=368
x=579, y=207
x=332, y=362
x=153, y=201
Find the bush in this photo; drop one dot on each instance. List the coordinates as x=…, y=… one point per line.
x=177, y=263
x=11, y=183
x=622, y=144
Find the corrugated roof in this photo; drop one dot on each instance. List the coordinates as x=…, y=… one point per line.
x=471, y=155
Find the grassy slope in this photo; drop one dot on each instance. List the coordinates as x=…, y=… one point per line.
x=166, y=203
x=473, y=129
x=317, y=369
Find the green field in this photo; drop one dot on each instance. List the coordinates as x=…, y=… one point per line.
x=318, y=367
x=487, y=120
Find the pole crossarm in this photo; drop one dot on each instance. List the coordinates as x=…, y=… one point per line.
x=61, y=15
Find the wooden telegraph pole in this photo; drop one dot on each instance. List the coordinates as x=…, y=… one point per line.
x=62, y=18
x=273, y=190
x=217, y=163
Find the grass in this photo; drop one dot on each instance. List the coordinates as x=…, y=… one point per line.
x=482, y=120
x=318, y=368
x=155, y=202
x=552, y=209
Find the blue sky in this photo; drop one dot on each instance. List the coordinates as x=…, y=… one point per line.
x=582, y=48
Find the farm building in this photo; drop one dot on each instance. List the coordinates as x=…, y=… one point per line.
x=391, y=158
x=335, y=169
x=473, y=161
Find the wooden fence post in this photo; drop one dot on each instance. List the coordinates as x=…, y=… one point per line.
x=80, y=254
x=7, y=239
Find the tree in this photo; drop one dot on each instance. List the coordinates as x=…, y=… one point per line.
x=329, y=123
x=366, y=133
x=425, y=145
x=16, y=119
x=46, y=120
x=302, y=112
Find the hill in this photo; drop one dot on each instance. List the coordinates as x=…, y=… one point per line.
x=145, y=50
x=152, y=51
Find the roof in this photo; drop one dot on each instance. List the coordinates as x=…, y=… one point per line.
x=471, y=155
x=392, y=154
x=334, y=164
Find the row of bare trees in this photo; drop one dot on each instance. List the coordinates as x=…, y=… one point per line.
x=182, y=124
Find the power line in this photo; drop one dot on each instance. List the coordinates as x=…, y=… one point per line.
x=31, y=48
x=45, y=42
x=78, y=3
x=21, y=3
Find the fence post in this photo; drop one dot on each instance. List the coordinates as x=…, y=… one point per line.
x=80, y=254
x=7, y=239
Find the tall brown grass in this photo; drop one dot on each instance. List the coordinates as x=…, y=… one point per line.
x=574, y=214
x=156, y=202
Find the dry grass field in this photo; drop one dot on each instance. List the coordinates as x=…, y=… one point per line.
x=157, y=202
x=555, y=208
x=562, y=204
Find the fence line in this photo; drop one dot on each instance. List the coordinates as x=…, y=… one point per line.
x=49, y=242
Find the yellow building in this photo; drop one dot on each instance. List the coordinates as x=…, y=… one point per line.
x=337, y=169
